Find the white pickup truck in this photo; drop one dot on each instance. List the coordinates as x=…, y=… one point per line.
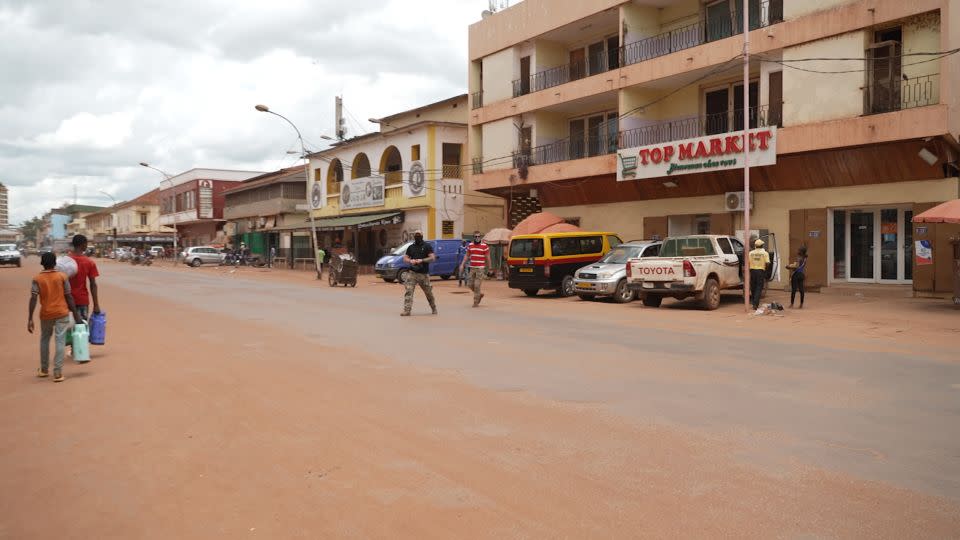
x=697, y=266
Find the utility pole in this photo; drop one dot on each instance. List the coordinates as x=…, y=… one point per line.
x=340, y=129
x=746, y=155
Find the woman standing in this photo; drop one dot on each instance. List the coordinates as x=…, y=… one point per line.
x=799, y=274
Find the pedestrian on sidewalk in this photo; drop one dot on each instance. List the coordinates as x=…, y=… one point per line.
x=419, y=256
x=86, y=273
x=799, y=268
x=759, y=259
x=461, y=255
x=52, y=289
x=320, y=260
x=477, y=260
x=273, y=254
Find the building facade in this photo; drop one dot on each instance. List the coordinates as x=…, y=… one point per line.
x=625, y=116
x=371, y=192
x=269, y=211
x=192, y=203
x=4, y=207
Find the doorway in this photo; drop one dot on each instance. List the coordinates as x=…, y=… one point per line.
x=871, y=245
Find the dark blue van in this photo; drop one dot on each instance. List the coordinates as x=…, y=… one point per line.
x=391, y=267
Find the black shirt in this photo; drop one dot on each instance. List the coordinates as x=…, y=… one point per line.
x=422, y=251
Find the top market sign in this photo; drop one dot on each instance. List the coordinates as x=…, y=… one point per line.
x=703, y=154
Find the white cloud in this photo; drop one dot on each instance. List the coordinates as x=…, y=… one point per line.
x=92, y=89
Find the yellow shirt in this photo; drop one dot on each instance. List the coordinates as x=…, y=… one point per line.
x=759, y=259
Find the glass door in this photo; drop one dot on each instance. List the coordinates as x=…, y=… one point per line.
x=889, y=247
x=861, y=246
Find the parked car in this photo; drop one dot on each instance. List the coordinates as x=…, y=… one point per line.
x=392, y=268
x=9, y=254
x=199, y=255
x=549, y=261
x=157, y=251
x=608, y=276
x=698, y=266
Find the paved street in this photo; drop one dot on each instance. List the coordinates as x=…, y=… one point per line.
x=262, y=403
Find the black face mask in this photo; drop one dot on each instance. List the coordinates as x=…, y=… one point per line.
x=417, y=239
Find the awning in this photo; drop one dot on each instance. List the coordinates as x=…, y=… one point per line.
x=348, y=222
x=948, y=212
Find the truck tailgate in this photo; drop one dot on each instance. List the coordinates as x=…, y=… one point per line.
x=657, y=270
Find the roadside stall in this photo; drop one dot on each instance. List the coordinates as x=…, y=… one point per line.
x=945, y=241
x=498, y=240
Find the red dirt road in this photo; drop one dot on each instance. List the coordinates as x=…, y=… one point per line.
x=195, y=424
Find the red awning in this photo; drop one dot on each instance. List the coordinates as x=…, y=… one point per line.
x=948, y=212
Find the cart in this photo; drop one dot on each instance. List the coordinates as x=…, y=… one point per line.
x=343, y=270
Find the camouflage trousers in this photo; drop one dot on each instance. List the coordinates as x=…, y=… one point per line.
x=414, y=279
x=475, y=281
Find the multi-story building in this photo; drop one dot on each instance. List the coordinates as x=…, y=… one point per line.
x=4, y=207
x=270, y=211
x=623, y=115
x=192, y=203
x=417, y=184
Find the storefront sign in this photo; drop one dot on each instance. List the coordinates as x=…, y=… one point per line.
x=416, y=184
x=316, y=195
x=814, y=234
x=704, y=154
x=206, y=199
x=361, y=193
x=921, y=231
x=924, y=253
x=392, y=220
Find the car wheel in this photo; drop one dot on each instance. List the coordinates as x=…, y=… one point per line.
x=195, y=263
x=567, y=288
x=402, y=276
x=389, y=280
x=652, y=300
x=623, y=294
x=711, y=295
x=531, y=292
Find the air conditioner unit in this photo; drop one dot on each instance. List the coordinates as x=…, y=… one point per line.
x=733, y=201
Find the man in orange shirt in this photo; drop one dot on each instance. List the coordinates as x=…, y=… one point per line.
x=86, y=271
x=52, y=288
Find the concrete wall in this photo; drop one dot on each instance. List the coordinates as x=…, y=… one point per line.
x=549, y=54
x=454, y=111
x=771, y=208
x=499, y=70
x=922, y=34
x=499, y=140
x=814, y=97
x=797, y=8
x=549, y=127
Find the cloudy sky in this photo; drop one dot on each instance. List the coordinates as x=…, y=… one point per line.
x=90, y=88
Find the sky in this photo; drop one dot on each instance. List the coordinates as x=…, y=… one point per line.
x=91, y=88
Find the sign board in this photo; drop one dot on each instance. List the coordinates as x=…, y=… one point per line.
x=703, y=154
x=392, y=220
x=924, y=253
x=361, y=193
x=814, y=234
x=316, y=196
x=206, y=199
x=416, y=184
x=921, y=231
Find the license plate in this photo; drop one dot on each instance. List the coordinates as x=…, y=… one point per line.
x=584, y=285
x=527, y=270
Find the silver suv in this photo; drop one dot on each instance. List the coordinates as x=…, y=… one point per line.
x=198, y=255
x=608, y=276
x=9, y=254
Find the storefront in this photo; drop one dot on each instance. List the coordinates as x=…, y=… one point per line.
x=369, y=236
x=871, y=245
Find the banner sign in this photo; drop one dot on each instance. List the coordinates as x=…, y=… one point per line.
x=206, y=199
x=392, y=220
x=416, y=184
x=361, y=193
x=703, y=154
x=924, y=253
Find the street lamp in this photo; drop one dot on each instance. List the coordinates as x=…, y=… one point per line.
x=113, y=221
x=306, y=170
x=168, y=178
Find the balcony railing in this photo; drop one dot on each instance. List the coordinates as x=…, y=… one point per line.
x=898, y=94
x=713, y=28
x=663, y=132
x=476, y=100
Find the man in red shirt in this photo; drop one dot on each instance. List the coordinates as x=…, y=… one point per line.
x=477, y=259
x=86, y=270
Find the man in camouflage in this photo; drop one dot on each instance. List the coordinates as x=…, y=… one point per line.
x=419, y=256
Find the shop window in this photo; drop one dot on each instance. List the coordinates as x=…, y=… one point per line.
x=143, y=219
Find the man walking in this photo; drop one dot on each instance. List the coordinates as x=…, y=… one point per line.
x=478, y=260
x=759, y=259
x=86, y=272
x=419, y=256
x=52, y=290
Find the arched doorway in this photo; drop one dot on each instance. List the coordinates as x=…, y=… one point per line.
x=391, y=166
x=361, y=166
x=334, y=177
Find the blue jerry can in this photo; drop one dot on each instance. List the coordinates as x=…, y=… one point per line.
x=98, y=328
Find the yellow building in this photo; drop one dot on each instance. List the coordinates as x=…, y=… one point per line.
x=133, y=223
x=369, y=193
x=596, y=109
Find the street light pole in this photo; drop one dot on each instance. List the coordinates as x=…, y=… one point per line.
x=176, y=233
x=113, y=219
x=306, y=170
